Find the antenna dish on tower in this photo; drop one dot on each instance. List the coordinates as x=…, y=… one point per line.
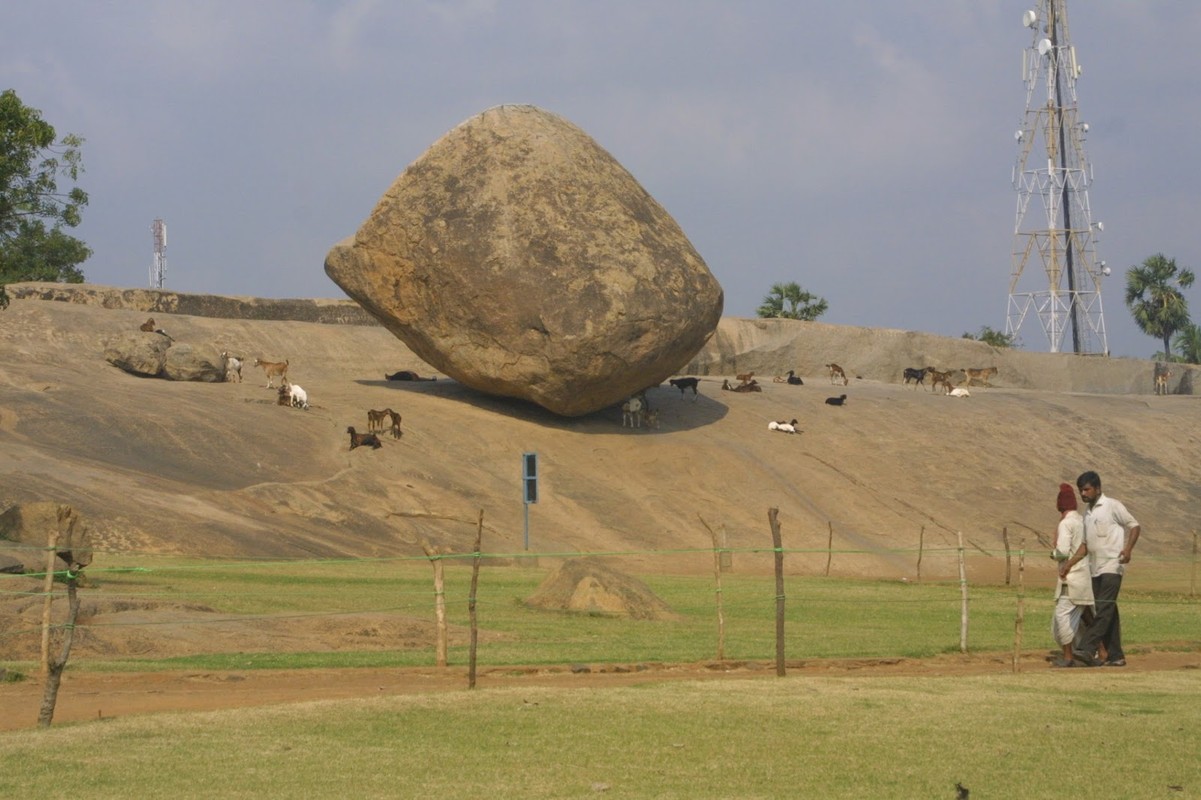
x=1030, y=18
x=1044, y=46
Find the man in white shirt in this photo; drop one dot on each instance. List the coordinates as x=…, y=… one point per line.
x=1110, y=533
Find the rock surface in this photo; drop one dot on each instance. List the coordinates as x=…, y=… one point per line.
x=153, y=355
x=25, y=532
x=521, y=259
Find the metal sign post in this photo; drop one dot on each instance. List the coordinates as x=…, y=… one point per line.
x=529, y=486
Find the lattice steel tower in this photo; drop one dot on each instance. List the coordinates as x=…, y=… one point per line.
x=158, y=267
x=1060, y=236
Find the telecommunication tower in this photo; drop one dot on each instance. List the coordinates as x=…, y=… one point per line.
x=158, y=268
x=1065, y=294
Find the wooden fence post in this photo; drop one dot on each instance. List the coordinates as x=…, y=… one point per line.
x=1193, y=584
x=963, y=597
x=1005, y=539
x=48, y=589
x=475, y=582
x=55, y=674
x=721, y=620
x=439, y=603
x=1021, y=615
x=829, y=547
x=777, y=543
x=921, y=541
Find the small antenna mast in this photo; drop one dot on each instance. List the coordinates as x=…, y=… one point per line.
x=158, y=268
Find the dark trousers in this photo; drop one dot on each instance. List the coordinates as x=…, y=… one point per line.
x=1106, y=627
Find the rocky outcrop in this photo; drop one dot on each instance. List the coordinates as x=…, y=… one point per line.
x=521, y=259
x=162, y=301
x=154, y=355
x=25, y=532
x=589, y=586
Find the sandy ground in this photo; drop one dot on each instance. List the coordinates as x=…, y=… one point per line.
x=87, y=696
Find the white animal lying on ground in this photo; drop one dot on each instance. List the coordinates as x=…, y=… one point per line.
x=959, y=391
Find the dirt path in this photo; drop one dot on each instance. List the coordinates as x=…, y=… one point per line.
x=94, y=695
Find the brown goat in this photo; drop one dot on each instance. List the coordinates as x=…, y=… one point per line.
x=375, y=419
x=363, y=439
x=837, y=374
x=273, y=369
x=148, y=326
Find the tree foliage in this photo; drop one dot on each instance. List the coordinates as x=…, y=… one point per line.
x=1154, y=298
x=790, y=301
x=33, y=211
x=993, y=337
x=1188, y=342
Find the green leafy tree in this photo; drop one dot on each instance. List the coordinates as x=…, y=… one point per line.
x=993, y=337
x=33, y=211
x=790, y=301
x=1188, y=342
x=1154, y=299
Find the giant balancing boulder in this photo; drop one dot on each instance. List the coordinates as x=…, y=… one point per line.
x=519, y=258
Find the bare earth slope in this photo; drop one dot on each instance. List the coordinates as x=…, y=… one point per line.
x=220, y=469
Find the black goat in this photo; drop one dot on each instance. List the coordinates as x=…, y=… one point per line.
x=794, y=379
x=361, y=439
x=685, y=383
x=836, y=401
x=408, y=375
x=917, y=374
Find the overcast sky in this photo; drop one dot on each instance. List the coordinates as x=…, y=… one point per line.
x=863, y=149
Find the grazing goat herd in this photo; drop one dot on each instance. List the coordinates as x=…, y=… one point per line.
x=294, y=396
x=636, y=410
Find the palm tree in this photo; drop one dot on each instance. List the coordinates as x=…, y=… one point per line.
x=1188, y=342
x=800, y=304
x=1154, y=300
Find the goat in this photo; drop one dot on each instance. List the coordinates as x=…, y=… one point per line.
x=1162, y=376
x=783, y=427
x=233, y=366
x=836, y=401
x=686, y=383
x=959, y=391
x=396, y=431
x=790, y=377
x=837, y=374
x=362, y=439
x=375, y=419
x=652, y=417
x=299, y=398
x=407, y=375
x=148, y=326
x=937, y=378
x=917, y=375
x=284, y=396
x=745, y=377
x=273, y=369
x=631, y=413
x=981, y=374
x=752, y=386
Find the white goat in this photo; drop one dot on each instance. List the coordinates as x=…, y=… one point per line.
x=959, y=391
x=233, y=366
x=631, y=413
x=782, y=427
x=300, y=398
